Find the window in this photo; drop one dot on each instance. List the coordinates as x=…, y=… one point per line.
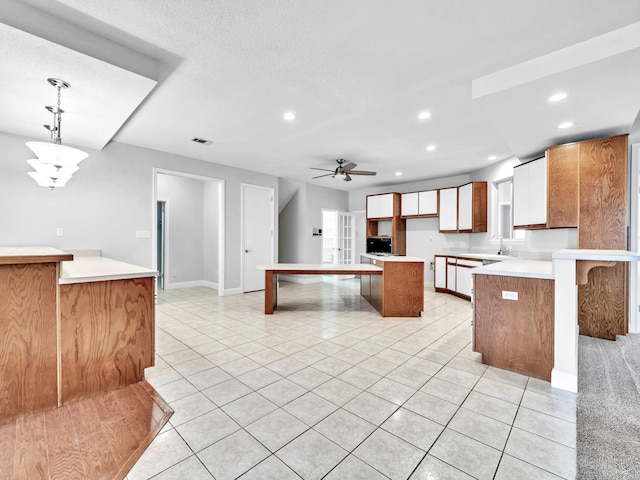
x=502, y=211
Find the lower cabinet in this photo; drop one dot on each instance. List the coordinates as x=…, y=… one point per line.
x=440, y=272
x=453, y=275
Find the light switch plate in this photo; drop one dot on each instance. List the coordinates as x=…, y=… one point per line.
x=507, y=295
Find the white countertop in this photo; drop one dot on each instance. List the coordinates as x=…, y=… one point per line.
x=98, y=269
x=319, y=267
x=592, y=254
x=10, y=255
x=518, y=267
x=392, y=258
x=479, y=256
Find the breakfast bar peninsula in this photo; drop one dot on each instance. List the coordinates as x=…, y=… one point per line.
x=70, y=327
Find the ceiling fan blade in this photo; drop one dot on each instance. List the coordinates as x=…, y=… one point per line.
x=346, y=168
x=347, y=178
x=361, y=172
x=323, y=169
x=327, y=175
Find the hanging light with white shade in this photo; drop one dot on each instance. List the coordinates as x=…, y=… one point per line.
x=56, y=163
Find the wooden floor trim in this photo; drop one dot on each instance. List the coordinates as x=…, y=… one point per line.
x=97, y=437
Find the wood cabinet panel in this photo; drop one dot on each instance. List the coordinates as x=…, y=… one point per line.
x=602, y=302
x=479, y=206
x=603, y=193
x=28, y=358
x=107, y=331
x=403, y=289
x=515, y=335
x=563, y=171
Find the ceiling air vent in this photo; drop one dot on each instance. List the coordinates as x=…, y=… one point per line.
x=201, y=141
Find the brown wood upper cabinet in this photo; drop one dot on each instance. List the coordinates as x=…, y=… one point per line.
x=463, y=209
x=545, y=191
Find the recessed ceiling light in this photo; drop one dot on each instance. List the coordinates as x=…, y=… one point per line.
x=431, y=148
x=557, y=97
x=398, y=174
x=424, y=115
x=492, y=157
x=289, y=116
x=566, y=125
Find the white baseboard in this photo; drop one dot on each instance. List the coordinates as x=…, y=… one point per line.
x=564, y=381
x=229, y=291
x=195, y=283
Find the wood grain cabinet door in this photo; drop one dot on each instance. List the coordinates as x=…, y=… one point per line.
x=28, y=358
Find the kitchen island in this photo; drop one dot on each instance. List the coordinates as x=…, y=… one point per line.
x=393, y=285
x=399, y=291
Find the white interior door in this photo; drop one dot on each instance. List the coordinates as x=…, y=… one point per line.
x=257, y=234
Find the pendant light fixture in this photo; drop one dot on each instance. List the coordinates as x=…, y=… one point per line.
x=55, y=163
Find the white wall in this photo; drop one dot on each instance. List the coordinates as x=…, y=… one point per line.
x=300, y=216
x=107, y=200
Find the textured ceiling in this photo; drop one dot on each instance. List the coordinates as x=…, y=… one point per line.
x=356, y=74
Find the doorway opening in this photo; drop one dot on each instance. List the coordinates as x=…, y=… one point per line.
x=161, y=208
x=188, y=243
x=338, y=237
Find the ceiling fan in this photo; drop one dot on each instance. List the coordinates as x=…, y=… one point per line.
x=343, y=171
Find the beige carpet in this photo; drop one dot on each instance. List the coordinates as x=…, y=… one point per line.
x=608, y=412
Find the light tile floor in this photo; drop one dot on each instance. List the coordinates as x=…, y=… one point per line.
x=326, y=388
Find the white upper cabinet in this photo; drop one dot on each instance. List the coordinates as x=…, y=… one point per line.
x=420, y=203
x=448, y=219
x=465, y=207
x=409, y=204
x=380, y=206
x=530, y=193
x=428, y=202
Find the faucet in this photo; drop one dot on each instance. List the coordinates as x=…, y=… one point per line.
x=502, y=251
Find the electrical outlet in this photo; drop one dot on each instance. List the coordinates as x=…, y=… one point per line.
x=143, y=234
x=507, y=295
x=59, y=232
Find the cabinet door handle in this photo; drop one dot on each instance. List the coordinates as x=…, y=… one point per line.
x=247, y=251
